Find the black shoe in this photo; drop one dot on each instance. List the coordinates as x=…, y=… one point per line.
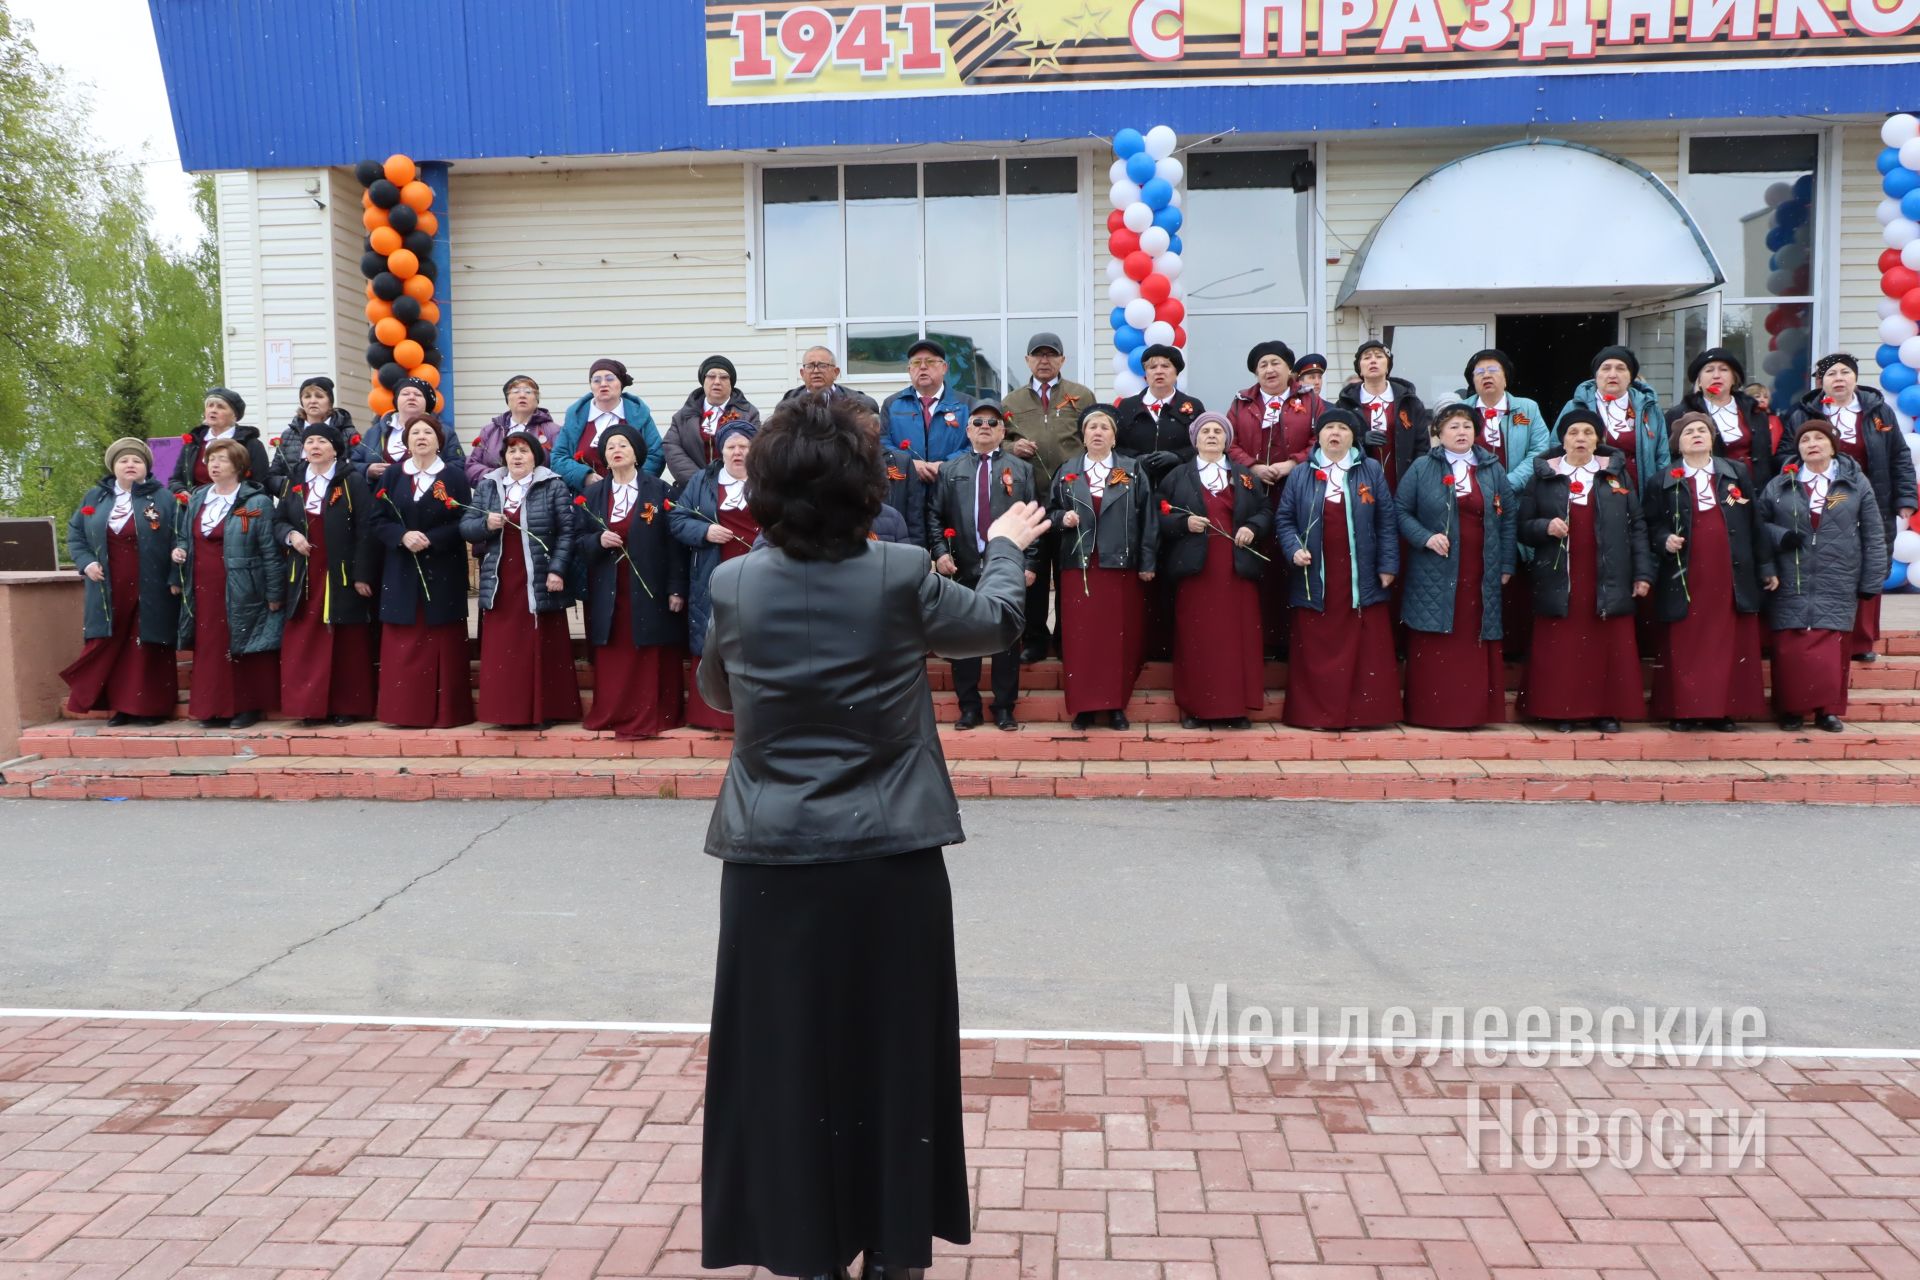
x=150, y=722
x=1680, y=726
x=215, y=722
x=1034, y=653
x=1724, y=726
x=838, y=1273
x=1083, y=721
x=1004, y=721
x=874, y=1267
x=312, y=722
x=1827, y=722
x=969, y=719
x=1868, y=656
x=245, y=720
x=1120, y=721
x=341, y=722
x=1606, y=724
x=1563, y=726
x=1188, y=722
x=119, y=720
x=1792, y=724
x=1240, y=722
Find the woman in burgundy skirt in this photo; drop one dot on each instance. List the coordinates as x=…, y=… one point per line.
x=1109, y=544
x=1591, y=562
x=1713, y=567
x=233, y=582
x=325, y=518
x=121, y=540
x=424, y=679
x=636, y=594
x=521, y=526
x=1338, y=532
x=1831, y=553
x=1212, y=512
x=711, y=520
x=1457, y=518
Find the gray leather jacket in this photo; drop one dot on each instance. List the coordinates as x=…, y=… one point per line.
x=835, y=756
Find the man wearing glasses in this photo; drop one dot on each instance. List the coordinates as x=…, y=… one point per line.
x=820, y=375
x=927, y=415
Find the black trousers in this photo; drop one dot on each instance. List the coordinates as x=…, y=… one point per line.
x=1006, y=680
x=1046, y=571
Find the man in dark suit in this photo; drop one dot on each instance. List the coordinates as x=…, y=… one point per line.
x=972, y=491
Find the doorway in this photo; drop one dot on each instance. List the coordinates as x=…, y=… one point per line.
x=1553, y=354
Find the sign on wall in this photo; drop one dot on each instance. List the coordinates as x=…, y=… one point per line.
x=761, y=50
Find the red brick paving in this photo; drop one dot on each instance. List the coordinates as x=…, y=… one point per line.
x=158, y=1149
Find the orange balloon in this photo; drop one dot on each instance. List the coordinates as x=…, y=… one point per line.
x=371, y=295
x=372, y=216
x=390, y=332
x=439, y=402
x=417, y=196
x=408, y=355
x=366, y=201
x=378, y=309
x=419, y=288
x=384, y=241
x=400, y=170
x=380, y=400
x=403, y=264
x=429, y=222
x=430, y=311
x=427, y=374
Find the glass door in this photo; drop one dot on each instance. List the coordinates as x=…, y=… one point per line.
x=1667, y=338
x=1432, y=352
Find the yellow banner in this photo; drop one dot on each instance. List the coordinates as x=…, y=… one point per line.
x=760, y=50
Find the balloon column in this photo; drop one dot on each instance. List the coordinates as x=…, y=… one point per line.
x=1143, y=235
x=1899, y=354
x=404, y=337
x=1789, y=239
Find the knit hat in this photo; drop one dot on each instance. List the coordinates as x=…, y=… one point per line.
x=1825, y=428
x=324, y=383
x=328, y=432
x=1681, y=422
x=1369, y=345
x=1209, y=419
x=1265, y=349
x=1479, y=358
x=1716, y=355
x=1338, y=415
x=612, y=366
x=1623, y=354
x=1309, y=362
x=733, y=427
x=1100, y=410
x=520, y=435
x=232, y=398
x=128, y=444
x=421, y=385
x=1160, y=351
x=631, y=436
x=723, y=364
x=242, y=460
x=1579, y=414
x=1838, y=357
x=506, y=388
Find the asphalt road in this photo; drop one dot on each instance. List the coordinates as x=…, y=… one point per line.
x=1071, y=915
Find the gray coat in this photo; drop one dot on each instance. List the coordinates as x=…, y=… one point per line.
x=1823, y=575
x=154, y=512
x=256, y=566
x=823, y=665
x=546, y=536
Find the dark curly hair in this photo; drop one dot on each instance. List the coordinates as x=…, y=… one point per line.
x=815, y=478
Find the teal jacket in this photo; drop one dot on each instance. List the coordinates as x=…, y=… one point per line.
x=567, y=457
x=1650, y=448
x=1524, y=436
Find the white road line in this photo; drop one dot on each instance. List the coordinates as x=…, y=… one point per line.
x=1677, y=1050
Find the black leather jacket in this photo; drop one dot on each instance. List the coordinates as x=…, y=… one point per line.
x=823, y=665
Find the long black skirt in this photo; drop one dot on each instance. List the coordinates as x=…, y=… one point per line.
x=833, y=1073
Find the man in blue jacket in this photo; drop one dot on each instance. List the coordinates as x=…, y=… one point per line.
x=928, y=416
x=576, y=453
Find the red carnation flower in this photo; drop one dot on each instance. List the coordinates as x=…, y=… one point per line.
x=354, y=441
x=1678, y=473
x=180, y=498
x=186, y=437
x=669, y=504
x=906, y=444
x=1576, y=488
x=1321, y=476
x=946, y=533
x=476, y=442
x=1071, y=476
x=1166, y=508
x=1792, y=468
x=580, y=502
x=299, y=489
x=86, y=511
x=275, y=442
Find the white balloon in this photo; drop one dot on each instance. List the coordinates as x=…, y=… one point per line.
x=1906, y=546
x=1159, y=333
x=1120, y=366
x=1170, y=171
x=1154, y=241
x=1886, y=211
x=1138, y=217
x=1116, y=269
x=1793, y=339
x=1896, y=329
x=1901, y=232
x=1161, y=141
x=1139, y=313
x=1178, y=198
x=1117, y=172
x=1778, y=194
x=1168, y=264
x=1910, y=153
x=1179, y=287
x=1124, y=194
x=1122, y=291
x=1777, y=362
x=1793, y=257
x=1910, y=353
x=1890, y=306
x=1899, y=130
x=1780, y=283
x=1910, y=257
x=1129, y=384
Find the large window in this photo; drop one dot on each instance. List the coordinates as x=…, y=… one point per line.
x=1248, y=261
x=1755, y=197
x=977, y=254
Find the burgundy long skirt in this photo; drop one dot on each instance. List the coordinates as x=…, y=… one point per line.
x=1219, y=668
x=117, y=672
x=1709, y=666
x=1102, y=633
x=699, y=715
x=424, y=679
x=223, y=685
x=526, y=658
x=326, y=669
x=1457, y=680
x=1810, y=672
x=638, y=690
x=1583, y=666
x=1341, y=670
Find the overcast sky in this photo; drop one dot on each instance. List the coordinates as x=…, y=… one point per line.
x=104, y=49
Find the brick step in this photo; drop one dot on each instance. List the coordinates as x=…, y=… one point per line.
x=456, y=778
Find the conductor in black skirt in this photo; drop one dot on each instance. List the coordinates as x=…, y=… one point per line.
x=833, y=1077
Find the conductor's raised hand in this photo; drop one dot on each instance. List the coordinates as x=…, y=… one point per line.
x=1022, y=524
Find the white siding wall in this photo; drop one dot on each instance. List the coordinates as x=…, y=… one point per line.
x=239, y=284
x=277, y=263
x=1860, y=246
x=348, y=291
x=552, y=270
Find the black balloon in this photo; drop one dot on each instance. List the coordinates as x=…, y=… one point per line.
x=369, y=172
x=429, y=268
x=384, y=194
x=401, y=217
x=406, y=309
x=424, y=332
x=432, y=357
x=379, y=355
x=372, y=264
x=418, y=243
x=390, y=375
x=387, y=286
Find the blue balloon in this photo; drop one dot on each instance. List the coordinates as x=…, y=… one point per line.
x=1773, y=262
x=1899, y=182
x=1910, y=205
x=1792, y=214
x=1133, y=362
x=1896, y=576
x=1117, y=318
x=1128, y=338
x=1168, y=218
x=1173, y=244
x=1887, y=161
x=1778, y=238
x=1908, y=400
x=1140, y=167
x=1158, y=193
x=1803, y=188
x=1887, y=356
x=1898, y=379
x=1128, y=143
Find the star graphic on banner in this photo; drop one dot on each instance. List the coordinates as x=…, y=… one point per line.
x=1042, y=56
x=1086, y=24
x=1001, y=15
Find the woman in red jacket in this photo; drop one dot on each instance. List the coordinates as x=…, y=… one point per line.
x=1273, y=430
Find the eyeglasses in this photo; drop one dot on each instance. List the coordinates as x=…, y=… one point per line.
x=817, y=366
x=927, y=363
x=983, y=422
x=1488, y=368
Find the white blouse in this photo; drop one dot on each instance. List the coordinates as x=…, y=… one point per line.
x=423, y=478
x=215, y=509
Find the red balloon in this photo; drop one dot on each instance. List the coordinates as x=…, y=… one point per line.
x=1899, y=282
x=1123, y=242
x=1154, y=288
x=1118, y=219
x=1173, y=311
x=1910, y=304
x=1773, y=344
x=1139, y=267
x=1180, y=337
x=1889, y=258
x=1777, y=319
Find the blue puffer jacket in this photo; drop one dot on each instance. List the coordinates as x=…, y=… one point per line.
x=574, y=471
x=689, y=528
x=1651, y=448
x=1425, y=501
x=1372, y=526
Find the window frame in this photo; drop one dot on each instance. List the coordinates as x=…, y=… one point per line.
x=1314, y=272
